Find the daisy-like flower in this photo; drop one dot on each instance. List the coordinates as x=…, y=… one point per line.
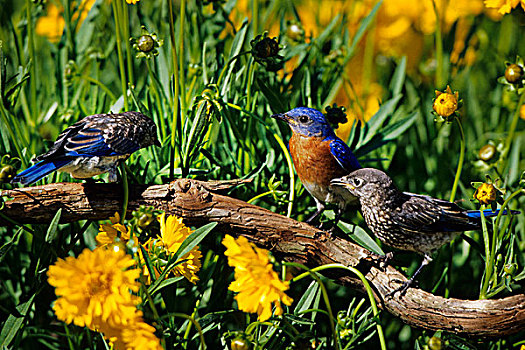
x=95, y=288
x=172, y=233
x=486, y=193
x=446, y=103
x=257, y=283
x=504, y=6
x=108, y=233
x=132, y=2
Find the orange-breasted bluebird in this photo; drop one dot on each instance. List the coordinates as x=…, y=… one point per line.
x=93, y=146
x=408, y=221
x=319, y=156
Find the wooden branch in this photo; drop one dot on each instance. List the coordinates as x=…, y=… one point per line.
x=197, y=203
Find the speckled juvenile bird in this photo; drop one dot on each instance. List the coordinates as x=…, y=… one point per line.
x=93, y=146
x=405, y=220
x=319, y=156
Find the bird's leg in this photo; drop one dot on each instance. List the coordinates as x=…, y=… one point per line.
x=113, y=174
x=320, y=209
x=426, y=260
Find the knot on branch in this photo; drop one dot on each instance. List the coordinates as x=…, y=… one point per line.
x=192, y=188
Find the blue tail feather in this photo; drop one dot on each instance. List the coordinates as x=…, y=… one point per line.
x=488, y=213
x=39, y=170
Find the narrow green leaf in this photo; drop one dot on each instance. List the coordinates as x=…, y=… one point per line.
x=362, y=29
x=308, y=298
x=195, y=238
x=360, y=236
x=52, y=229
x=7, y=246
x=377, y=120
x=13, y=324
x=398, y=79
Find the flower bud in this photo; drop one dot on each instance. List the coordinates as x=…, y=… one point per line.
x=514, y=73
x=487, y=152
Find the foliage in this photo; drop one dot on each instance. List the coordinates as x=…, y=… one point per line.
x=210, y=74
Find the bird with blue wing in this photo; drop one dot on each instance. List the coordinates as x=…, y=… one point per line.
x=93, y=146
x=408, y=221
x=319, y=156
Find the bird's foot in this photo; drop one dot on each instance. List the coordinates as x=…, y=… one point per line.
x=402, y=289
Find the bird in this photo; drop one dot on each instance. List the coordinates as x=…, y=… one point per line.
x=408, y=221
x=319, y=156
x=92, y=146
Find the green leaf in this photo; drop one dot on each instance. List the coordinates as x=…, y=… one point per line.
x=195, y=238
x=360, y=236
x=13, y=324
x=398, y=79
x=7, y=246
x=165, y=283
x=311, y=294
x=275, y=101
x=238, y=43
x=362, y=29
x=377, y=120
x=52, y=229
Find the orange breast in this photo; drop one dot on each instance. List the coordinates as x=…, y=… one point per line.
x=314, y=161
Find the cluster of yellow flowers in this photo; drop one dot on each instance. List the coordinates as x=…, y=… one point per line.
x=257, y=283
x=172, y=233
x=97, y=290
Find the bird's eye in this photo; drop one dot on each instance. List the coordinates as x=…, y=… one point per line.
x=304, y=119
x=358, y=182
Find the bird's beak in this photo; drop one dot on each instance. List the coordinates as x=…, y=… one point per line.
x=341, y=182
x=281, y=116
x=157, y=143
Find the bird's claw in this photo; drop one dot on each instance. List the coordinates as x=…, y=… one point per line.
x=402, y=289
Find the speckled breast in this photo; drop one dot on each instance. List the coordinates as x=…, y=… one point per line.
x=316, y=167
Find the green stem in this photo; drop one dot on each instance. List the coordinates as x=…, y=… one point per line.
x=488, y=257
x=195, y=323
x=368, y=289
x=175, y=99
x=506, y=203
x=324, y=292
x=512, y=131
x=12, y=133
x=182, y=78
x=460, y=162
x=125, y=27
x=99, y=84
x=439, y=48
x=125, y=190
x=123, y=83
x=31, y=46
x=291, y=196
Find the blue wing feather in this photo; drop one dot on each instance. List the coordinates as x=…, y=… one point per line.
x=39, y=170
x=343, y=154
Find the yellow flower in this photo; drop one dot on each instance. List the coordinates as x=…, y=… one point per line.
x=132, y=2
x=504, y=6
x=522, y=111
x=172, y=233
x=108, y=233
x=446, y=103
x=94, y=289
x=486, y=193
x=137, y=336
x=52, y=24
x=255, y=280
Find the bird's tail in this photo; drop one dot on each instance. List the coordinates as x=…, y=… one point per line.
x=488, y=213
x=39, y=170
